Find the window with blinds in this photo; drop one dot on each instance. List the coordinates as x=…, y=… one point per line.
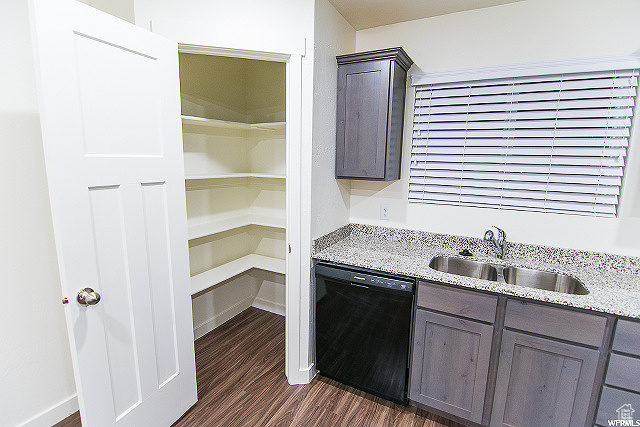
x=548, y=143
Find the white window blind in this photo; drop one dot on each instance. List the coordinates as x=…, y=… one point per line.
x=550, y=143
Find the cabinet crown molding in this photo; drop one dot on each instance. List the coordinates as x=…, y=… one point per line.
x=395, y=54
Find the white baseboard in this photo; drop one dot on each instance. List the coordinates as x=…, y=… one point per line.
x=54, y=414
x=270, y=306
x=303, y=376
x=217, y=320
x=220, y=318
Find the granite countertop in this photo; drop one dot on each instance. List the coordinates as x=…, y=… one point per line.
x=613, y=281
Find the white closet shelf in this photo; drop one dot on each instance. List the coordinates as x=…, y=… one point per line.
x=209, y=278
x=203, y=121
x=236, y=175
x=243, y=220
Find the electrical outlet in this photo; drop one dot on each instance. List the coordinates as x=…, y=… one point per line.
x=385, y=212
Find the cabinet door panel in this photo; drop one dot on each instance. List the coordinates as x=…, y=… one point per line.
x=627, y=337
x=542, y=382
x=450, y=364
x=613, y=402
x=624, y=372
x=363, y=99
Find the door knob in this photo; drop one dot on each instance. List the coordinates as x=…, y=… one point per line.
x=88, y=296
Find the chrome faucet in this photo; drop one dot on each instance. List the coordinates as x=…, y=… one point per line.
x=499, y=244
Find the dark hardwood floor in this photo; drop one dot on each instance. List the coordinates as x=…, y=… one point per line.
x=241, y=382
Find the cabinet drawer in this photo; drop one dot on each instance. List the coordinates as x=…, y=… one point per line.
x=624, y=372
x=460, y=302
x=627, y=337
x=613, y=400
x=555, y=322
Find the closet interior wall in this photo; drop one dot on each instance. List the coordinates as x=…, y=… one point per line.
x=233, y=114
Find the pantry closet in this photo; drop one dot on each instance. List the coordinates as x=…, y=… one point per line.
x=234, y=136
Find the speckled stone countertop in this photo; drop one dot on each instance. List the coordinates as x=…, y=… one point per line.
x=613, y=281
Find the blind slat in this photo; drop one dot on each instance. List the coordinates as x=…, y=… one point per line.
x=534, y=187
x=604, y=122
x=535, y=78
x=535, y=96
x=521, y=194
x=421, y=152
x=526, y=133
x=517, y=177
x=549, y=86
x=432, y=115
x=527, y=106
x=549, y=207
x=526, y=168
x=521, y=142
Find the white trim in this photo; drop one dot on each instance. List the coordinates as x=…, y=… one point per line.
x=234, y=53
x=210, y=324
x=54, y=414
x=305, y=325
x=306, y=374
x=270, y=306
x=204, y=39
x=294, y=280
x=200, y=38
x=528, y=69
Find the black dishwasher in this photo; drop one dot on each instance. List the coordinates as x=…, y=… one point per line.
x=363, y=329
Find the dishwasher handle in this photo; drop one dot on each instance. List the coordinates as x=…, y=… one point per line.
x=359, y=285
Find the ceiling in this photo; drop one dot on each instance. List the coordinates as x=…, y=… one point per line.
x=362, y=14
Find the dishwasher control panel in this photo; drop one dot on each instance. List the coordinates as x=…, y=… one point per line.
x=381, y=282
x=358, y=277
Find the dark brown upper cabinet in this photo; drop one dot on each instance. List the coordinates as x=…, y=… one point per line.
x=371, y=90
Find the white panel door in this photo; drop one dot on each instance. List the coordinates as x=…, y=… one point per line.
x=110, y=115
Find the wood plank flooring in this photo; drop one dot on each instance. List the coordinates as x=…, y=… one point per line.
x=241, y=382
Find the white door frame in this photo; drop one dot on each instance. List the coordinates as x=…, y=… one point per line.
x=201, y=39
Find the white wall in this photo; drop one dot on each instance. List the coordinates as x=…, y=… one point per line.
x=330, y=197
x=36, y=377
x=123, y=9
x=288, y=16
x=528, y=31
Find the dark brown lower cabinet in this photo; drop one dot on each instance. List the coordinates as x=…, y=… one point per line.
x=542, y=382
x=620, y=396
x=450, y=364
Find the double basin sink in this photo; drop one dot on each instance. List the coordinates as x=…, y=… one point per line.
x=526, y=277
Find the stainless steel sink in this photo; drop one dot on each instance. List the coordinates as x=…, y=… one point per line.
x=464, y=267
x=543, y=280
x=526, y=277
